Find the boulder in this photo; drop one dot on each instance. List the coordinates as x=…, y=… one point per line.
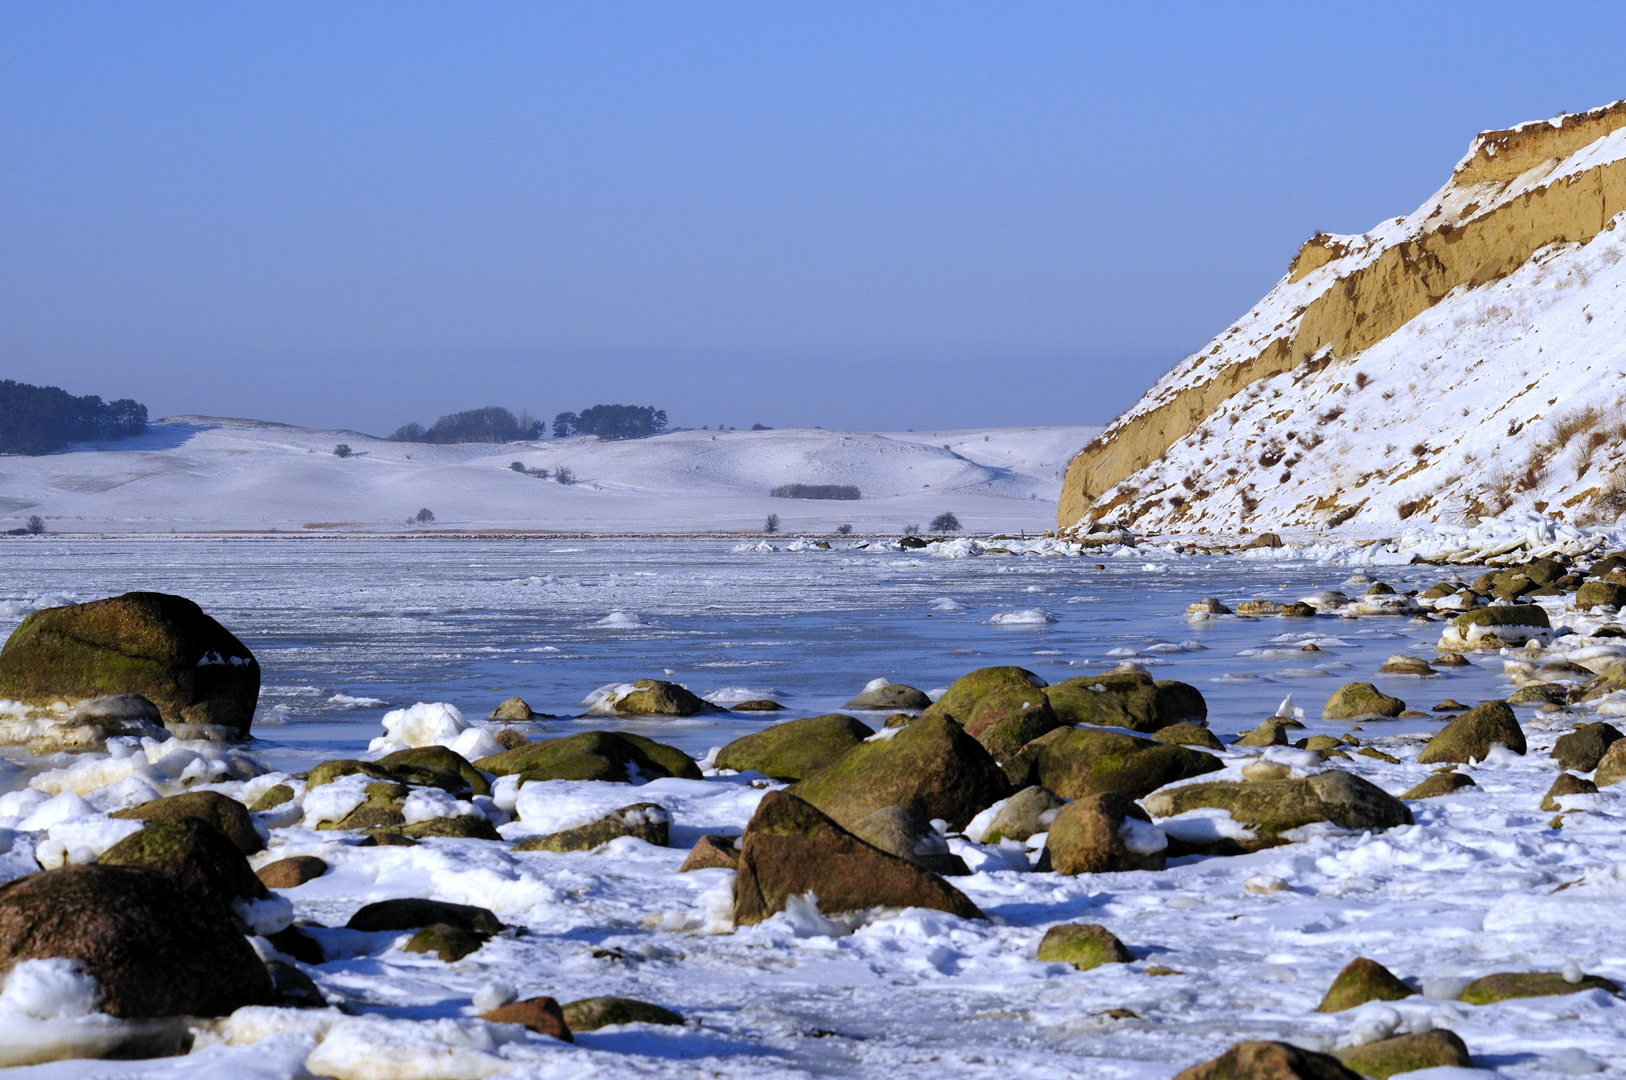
x=889, y=697
x=1207, y=606
x=1180, y=703
x=435, y=766
x=1257, y=608
x=295, y=942
x=1581, y=749
x=513, y=708
x=511, y=739
x=1440, y=784
x=1103, y=834
x=1360, y=699
x=381, y=809
x=412, y=913
x=1264, y=540
x=963, y=693
x=1008, y=718
x=932, y=766
x=657, y=697
x=1600, y=594
x=647, y=821
x=465, y=827
x=292, y=872
x=292, y=988
x=1496, y=626
x=590, y=1014
x=1538, y=694
x=1527, y=984
x=326, y=772
x=794, y=749
x=1401, y=664
x=1406, y=1053
x=908, y=834
x=155, y=947
x=1126, y=699
x=757, y=705
x=226, y=814
x=1276, y=806
x=273, y=797
x=159, y=646
x=1269, y=1061
x=1362, y=980
x=200, y=856
x=450, y=943
x=1029, y=811
x=1470, y=736
x=712, y=852
x=1270, y=732
x=790, y=848
x=1085, y=761
x=592, y=755
x=1188, y=735
x=1566, y=784
x=541, y=1014
x=1083, y=945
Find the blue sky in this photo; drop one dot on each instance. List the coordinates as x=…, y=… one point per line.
x=855, y=215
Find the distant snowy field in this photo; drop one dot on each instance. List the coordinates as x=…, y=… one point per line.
x=198, y=473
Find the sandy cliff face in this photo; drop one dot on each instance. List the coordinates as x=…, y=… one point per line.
x=1521, y=199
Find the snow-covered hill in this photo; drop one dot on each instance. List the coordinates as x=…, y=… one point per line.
x=1464, y=361
x=197, y=473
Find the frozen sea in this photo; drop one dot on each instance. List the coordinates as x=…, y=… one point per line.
x=346, y=629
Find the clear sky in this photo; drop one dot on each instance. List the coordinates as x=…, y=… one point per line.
x=869, y=215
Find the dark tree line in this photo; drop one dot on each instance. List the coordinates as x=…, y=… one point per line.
x=611, y=422
x=493, y=424
x=40, y=419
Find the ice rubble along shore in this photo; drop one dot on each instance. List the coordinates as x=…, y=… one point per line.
x=1459, y=362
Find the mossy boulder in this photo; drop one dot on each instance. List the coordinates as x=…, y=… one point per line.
x=410, y=913
x=1180, y=703
x=796, y=748
x=1087, y=761
x=1029, y=811
x=1401, y=664
x=890, y=697
x=1117, y=699
x=1358, y=699
x=1276, y=806
x=450, y=943
x=1495, y=626
x=1269, y=1061
x=1360, y=981
x=908, y=834
x=1527, y=984
x=1538, y=694
x=1083, y=945
x=1581, y=749
x=1406, y=1053
x=512, y=709
x=380, y=809
x=790, y=848
x=1188, y=735
x=159, y=646
x=964, y=693
x=646, y=821
x=201, y=857
x=463, y=827
x=1566, y=784
x=1600, y=594
x=593, y=755
x=1270, y=732
x=156, y=948
x=226, y=814
x=932, y=766
x=590, y=1014
x=326, y=772
x=1470, y=736
x=1440, y=784
x=1544, y=571
x=657, y=697
x=436, y=766
x=1097, y=835
x=1008, y=718
x=273, y=797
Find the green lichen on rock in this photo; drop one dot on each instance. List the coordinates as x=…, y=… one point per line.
x=200, y=856
x=1582, y=748
x=1117, y=699
x=592, y=755
x=1008, y=718
x=1083, y=945
x=465, y=827
x=1358, y=699
x=646, y=821
x=436, y=766
x=1406, y=1053
x=1269, y=1061
x=1527, y=984
x=450, y=943
x=1600, y=594
x=1470, y=736
x=1566, y=784
x=1186, y=734
x=326, y=772
x=1495, y=626
x=1439, y=784
x=932, y=766
x=890, y=697
x=1276, y=806
x=1086, y=761
x=657, y=697
x=794, y=749
x=964, y=693
x=273, y=797
x=1360, y=981
x=590, y=1014
x=211, y=807
x=159, y=646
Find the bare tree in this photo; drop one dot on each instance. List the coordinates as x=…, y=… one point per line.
x=564, y=475
x=945, y=522
x=35, y=525
x=911, y=530
x=771, y=526
x=425, y=516
x=844, y=530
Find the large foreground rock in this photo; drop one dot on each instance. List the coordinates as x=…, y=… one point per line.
x=1470, y=736
x=224, y=813
x=1269, y=1061
x=1126, y=699
x=161, y=647
x=790, y=849
x=792, y=750
x=1494, y=627
x=155, y=948
x=1275, y=806
x=1407, y=1053
x=1102, y=834
x=1359, y=699
x=198, y=855
x=593, y=755
x=931, y=766
x=1087, y=761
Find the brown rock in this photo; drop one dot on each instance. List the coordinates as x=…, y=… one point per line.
x=1269, y=1061
x=226, y=814
x=1087, y=837
x=292, y=872
x=709, y=852
x=1362, y=980
x=1566, y=784
x=411, y=913
x=541, y=1014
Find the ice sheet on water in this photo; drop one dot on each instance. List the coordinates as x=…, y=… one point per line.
x=622, y=620
x=1025, y=617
